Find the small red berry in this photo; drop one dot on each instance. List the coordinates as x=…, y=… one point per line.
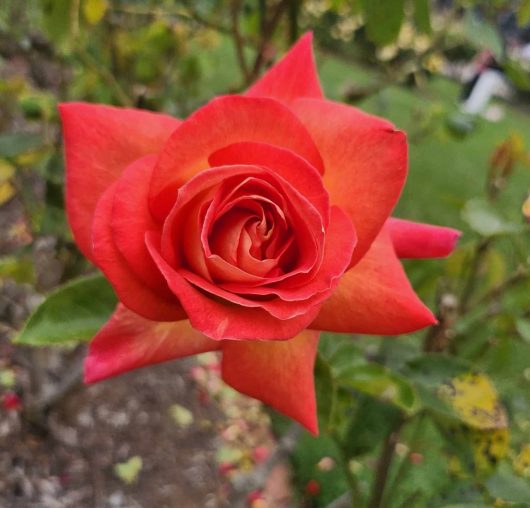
x=12, y=401
x=312, y=488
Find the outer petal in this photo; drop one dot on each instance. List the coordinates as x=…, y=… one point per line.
x=100, y=141
x=277, y=373
x=365, y=160
x=417, y=240
x=222, y=122
x=135, y=294
x=131, y=219
x=375, y=297
x=129, y=341
x=221, y=320
x=294, y=76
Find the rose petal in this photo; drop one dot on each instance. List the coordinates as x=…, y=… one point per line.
x=129, y=341
x=277, y=373
x=365, y=160
x=182, y=228
x=219, y=320
x=136, y=295
x=100, y=141
x=222, y=122
x=297, y=171
x=294, y=76
x=417, y=240
x=340, y=242
x=375, y=297
x=131, y=219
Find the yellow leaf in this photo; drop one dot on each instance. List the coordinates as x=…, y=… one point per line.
x=7, y=191
x=94, y=10
x=489, y=447
x=475, y=401
x=521, y=464
x=128, y=471
x=7, y=170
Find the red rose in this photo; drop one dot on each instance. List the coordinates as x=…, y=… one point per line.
x=260, y=218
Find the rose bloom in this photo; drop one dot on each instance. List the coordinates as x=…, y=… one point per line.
x=247, y=229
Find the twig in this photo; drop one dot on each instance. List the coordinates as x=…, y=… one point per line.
x=469, y=285
x=106, y=75
x=383, y=468
x=268, y=31
x=238, y=40
x=520, y=274
x=244, y=483
x=438, y=337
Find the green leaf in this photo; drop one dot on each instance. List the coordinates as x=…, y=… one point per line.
x=74, y=312
x=378, y=381
x=370, y=424
x=428, y=372
x=523, y=329
x=481, y=34
x=383, y=19
x=422, y=18
x=482, y=218
x=15, y=144
x=433, y=369
x=128, y=471
x=505, y=485
x=58, y=17
x=517, y=74
x=523, y=14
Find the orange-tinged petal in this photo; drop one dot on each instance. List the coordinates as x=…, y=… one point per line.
x=160, y=304
x=279, y=374
x=375, y=297
x=365, y=160
x=100, y=142
x=129, y=341
x=294, y=76
x=222, y=122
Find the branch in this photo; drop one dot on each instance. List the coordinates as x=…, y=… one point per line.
x=383, y=468
x=238, y=40
x=268, y=30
